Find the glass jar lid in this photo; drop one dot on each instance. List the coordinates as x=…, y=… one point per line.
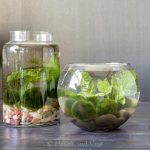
x=36, y=36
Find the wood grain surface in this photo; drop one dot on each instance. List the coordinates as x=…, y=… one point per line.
x=134, y=134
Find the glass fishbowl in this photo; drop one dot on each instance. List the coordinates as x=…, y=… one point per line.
x=98, y=97
x=31, y=71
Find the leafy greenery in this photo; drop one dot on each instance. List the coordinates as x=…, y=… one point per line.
x=11, y=97
x=68, y=106
x=29, y=84
x=106, y=106
x=103, y=97
x=124, y=85
x=52, y=69
x=54, y=66
x=104, y=87
x=25, y=76
x=134, y=74
x=32, y=98
x=83, y=110
x=69, y=93
x=87, y=85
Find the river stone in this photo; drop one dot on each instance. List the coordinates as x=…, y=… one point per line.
x=48, y=119
x=124, y=114
x=47, y=114
x=73, y=121
x=132, y=102
x=106, y=122
x=106, y=106
x=36, y=115
x=130, y=110
x=35, y=121
x=55, y=104
x=87, y=125
x=120, y=121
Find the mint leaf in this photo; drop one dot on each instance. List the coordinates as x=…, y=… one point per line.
x=53, y=65
x=124, y=85
x=13, y=76
x=85, y=94
x=133, y=73
x=45, y=78
x=104, y=87
x=120, y=99
x=87, y=84
x=28, y=75
x=106, y=106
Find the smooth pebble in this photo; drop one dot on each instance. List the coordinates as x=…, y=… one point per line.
x=130, y=110
x=106, y=122
x=35, y=121
x=88, y=125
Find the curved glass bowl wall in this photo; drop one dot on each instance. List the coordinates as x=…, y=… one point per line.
x=98, y=96
x=30, y=75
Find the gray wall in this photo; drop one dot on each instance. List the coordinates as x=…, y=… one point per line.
x=10, y=19
x=88, y=30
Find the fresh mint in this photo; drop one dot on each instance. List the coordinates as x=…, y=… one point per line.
x=87, y=84
x=124, y=85
x=104, y=87
x=32, y=85
x=106, y=106
x=103, y=96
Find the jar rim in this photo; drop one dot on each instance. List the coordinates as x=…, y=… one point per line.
x=112, y=66
x=26, y=35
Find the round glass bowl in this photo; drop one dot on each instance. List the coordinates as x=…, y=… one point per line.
x=98, y=96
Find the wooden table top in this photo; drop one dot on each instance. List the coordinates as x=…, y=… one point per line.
x=134, y=134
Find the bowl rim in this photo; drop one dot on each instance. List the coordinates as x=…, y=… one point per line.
x=112, y=66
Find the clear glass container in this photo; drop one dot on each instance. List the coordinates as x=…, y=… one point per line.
x=98, y=96
x=31, y=71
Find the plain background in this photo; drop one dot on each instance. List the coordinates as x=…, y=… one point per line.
x=88, y=30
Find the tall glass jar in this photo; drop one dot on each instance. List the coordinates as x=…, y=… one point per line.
x=30, y=75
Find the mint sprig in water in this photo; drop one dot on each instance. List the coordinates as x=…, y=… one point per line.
x=87, y=86
x=105, y=95
x=120, y=86
x=124, y=85
x=104, y=87
x=32, y=85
